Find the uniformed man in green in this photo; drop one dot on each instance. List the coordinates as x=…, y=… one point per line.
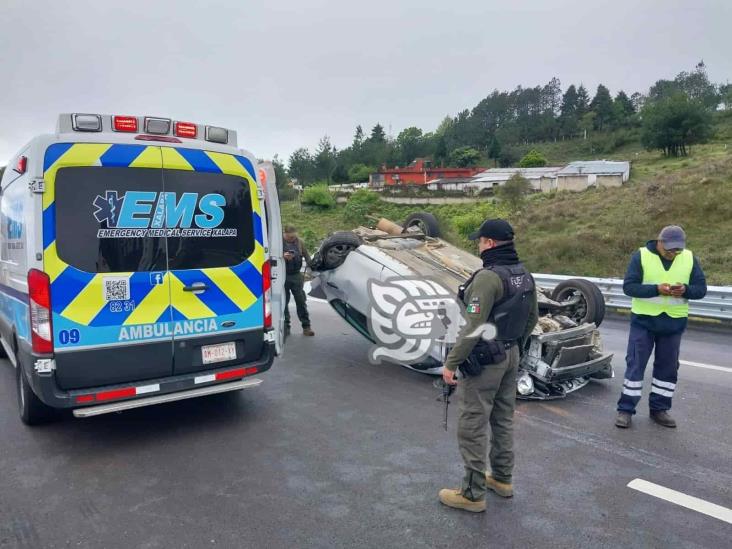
x=501, y=295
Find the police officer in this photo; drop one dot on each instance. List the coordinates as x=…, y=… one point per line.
x=295, y=253
x=503, y=294
x=661, y=277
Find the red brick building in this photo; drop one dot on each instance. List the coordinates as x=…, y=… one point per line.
x=420, y=172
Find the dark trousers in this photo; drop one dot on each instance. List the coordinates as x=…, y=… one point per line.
x=641, y=343
x=294, y=284
x=488, y=398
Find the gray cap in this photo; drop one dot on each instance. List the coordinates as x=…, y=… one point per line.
x=672, y=237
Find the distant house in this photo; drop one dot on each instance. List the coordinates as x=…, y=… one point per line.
x=419, y=172
x=578, y=176
x=541, y=179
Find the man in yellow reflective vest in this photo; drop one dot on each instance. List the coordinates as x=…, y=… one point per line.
x=661, y=278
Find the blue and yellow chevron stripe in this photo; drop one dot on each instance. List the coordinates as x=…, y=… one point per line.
x=77, y=296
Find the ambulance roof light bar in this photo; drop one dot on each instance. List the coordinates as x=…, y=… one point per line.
x=147, y=125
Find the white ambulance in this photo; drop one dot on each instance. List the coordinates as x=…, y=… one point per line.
x=140, y=264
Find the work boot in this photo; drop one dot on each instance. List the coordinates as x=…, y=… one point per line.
x=308, y=332
x=662, y=417
x=623, y=420
x=455, y=499
x=503, y=489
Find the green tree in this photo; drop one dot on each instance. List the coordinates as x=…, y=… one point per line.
x=514, y=191
x=568, y=117
x=583, y=101
x=377, y=134
x=358, y=137
x=725, y=95
x=533, y=159
x=464, y=157
x=301, y=166
x=674, y=124
x=440, y=155
x=494, y=151
x=325, y=159
x=359, y=173
x=409, y=143
x=340, y=174
x=587, y=122
x=282, y=179
x=623, y=110
x=602, y=106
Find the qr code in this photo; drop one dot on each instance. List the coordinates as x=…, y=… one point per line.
x=116, y=289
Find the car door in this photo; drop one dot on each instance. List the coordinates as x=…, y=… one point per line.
x=107, y=264
x=273, y=220
x=215, y=258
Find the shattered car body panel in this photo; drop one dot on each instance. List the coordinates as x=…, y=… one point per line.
x=563, y=354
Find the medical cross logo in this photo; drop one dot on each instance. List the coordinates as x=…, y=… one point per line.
x=138, y=214
x=107, y=208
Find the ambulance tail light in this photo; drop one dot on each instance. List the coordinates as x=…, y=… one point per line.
x=39, y=292
x=267, y=293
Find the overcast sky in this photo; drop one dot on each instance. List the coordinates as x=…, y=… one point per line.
x=286, y=73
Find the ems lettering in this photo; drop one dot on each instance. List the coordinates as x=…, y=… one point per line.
x=143, y=213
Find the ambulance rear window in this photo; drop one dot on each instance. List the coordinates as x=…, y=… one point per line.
x=136, y=219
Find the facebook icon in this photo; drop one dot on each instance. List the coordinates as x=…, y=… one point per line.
x=156, y=278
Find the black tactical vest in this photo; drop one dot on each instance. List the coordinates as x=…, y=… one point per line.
x=511, y=313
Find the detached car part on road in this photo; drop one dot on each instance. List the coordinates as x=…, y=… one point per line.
x=565, y=350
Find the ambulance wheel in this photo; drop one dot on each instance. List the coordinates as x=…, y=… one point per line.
x=591, y=304
x=32, y=411
x=334, y=250
x=424, y=222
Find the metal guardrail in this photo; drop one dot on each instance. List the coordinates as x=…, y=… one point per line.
x=717, y=304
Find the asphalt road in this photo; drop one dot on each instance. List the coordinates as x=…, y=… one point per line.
x=331, y=451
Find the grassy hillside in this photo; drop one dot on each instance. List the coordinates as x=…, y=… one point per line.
x=593, y=233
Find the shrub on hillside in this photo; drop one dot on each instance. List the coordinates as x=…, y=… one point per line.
x=360, y=204
x=514, y=191
x=319, y=196
x=533, y=159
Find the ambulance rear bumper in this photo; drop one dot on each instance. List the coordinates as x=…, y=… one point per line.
x=90, y=411
x=45, y=386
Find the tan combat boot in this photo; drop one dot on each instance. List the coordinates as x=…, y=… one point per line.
x=308, y=332
x=455, y=499
x=501, y=488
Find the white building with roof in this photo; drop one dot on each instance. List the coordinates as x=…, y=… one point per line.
x=579, y=175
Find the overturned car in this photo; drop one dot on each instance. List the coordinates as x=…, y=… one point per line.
x=380, y=278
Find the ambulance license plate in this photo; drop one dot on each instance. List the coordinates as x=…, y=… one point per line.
x=218, y=353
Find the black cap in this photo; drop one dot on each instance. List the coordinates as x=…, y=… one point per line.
x=495, y=229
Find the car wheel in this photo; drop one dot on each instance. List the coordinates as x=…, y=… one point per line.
x=591, y=303
x=334, y=250
x=30, y=408
x=425, y=222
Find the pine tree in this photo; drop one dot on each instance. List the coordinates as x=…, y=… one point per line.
x=602, y=106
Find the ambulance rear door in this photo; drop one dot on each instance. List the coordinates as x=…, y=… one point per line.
x=274, y=240
x=215, y=259
x=107, y=263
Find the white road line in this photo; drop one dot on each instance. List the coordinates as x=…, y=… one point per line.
x=705, y=366
x=690, y=502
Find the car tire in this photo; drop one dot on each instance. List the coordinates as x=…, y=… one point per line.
x=30, y=408
x=334, y=250
x=593, y=308
x=425, y=222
